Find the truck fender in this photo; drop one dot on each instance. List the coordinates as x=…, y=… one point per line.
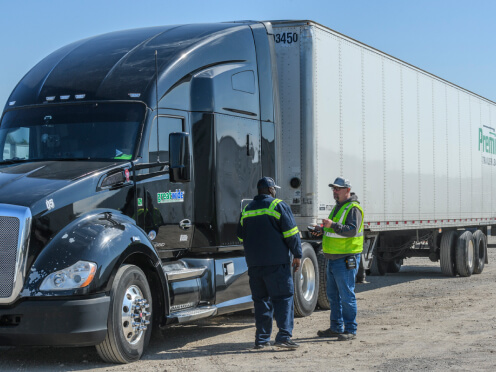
x=105, y=237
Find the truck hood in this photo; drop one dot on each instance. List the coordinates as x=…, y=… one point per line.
x=26, y=183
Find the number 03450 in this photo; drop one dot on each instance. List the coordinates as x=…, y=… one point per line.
x=286, y=38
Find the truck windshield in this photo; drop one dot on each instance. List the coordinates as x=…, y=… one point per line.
x=99, y=131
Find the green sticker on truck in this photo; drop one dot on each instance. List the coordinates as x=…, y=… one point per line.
x=170, y=196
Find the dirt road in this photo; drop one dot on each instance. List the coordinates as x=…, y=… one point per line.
x=414, y=320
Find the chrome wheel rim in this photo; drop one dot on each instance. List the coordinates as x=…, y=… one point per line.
x=307, y=279
x=134, y=314
x=470, y=255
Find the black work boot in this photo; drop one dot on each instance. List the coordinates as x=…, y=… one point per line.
x=346, y=336
x=288, y=344
x=328, y=333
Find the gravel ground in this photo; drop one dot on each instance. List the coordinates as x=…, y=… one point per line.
x=414, y=320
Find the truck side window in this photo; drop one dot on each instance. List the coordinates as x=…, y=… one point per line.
x=16, y=144
x=166, y=126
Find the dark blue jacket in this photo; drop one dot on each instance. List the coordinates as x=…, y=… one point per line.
x=269, y=234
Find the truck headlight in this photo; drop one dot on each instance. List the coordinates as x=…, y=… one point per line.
x=78, y=275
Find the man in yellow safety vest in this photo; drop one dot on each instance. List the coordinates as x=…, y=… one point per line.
x=342, y=244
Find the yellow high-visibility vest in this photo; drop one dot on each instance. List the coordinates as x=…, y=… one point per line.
x=333, y=243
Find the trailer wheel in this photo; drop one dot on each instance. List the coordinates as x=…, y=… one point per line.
x=448, y=252
x=394, y=266
x=322, y=299
x=479, y=241
x=129, y=321
x=378, y=266
x=306, y=282
x=465, y=254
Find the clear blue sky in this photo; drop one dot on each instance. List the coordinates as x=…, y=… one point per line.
x=454, y=39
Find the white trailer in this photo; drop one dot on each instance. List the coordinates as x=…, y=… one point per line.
x=418, y=150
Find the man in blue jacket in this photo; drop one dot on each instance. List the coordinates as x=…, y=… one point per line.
x=270, y=236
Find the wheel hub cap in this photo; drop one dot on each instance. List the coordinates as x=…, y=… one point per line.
x=135, y=314
x=307, y=277
x=470, y=257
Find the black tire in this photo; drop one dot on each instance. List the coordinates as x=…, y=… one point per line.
x=322, y=299
x=123, y=343
x=378, y=266
x=394, y=266
x=480, y=243
x=447, y=255
x=306, y=282
x=465, y=254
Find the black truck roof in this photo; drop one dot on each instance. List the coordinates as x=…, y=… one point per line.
x=121, y=65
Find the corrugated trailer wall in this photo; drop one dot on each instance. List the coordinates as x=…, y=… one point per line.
x=407, y=140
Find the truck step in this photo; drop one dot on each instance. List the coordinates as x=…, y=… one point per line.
x=184, y=273
x=190, y=315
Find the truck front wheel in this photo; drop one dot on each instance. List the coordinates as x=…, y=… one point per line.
x=129, y=320
x=306, y=282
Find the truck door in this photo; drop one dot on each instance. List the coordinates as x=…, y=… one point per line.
x=164, y=207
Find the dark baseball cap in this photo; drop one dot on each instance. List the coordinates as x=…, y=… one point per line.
x=341, y=182
x=266, y=182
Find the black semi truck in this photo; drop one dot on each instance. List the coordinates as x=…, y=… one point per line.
x=126, y=157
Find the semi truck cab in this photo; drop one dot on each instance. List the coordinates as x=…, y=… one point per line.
x=125, y=158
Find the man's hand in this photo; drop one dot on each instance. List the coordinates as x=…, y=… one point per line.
x=315, y=231
x=296, y=263
x=327, y=223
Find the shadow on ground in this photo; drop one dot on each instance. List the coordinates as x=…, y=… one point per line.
x=165, y=345
x=408, y=273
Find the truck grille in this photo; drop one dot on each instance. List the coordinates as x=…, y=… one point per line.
x=15, y=225
x=9, y=236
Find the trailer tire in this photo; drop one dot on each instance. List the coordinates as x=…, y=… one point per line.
x=322, y=300
x=123, y=343
x=480, y=242
x=378, y=266
x=448, y=253
x=465, y=254
x=394, y=266
x=306, y=282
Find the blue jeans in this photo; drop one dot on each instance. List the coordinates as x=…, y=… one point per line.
x=341, y=295
x=272, y=293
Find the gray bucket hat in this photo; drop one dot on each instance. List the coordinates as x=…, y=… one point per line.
x=341, y=182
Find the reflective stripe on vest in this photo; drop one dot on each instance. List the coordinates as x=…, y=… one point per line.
x=334, y=243
x=259, y=212
x=270, y=212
